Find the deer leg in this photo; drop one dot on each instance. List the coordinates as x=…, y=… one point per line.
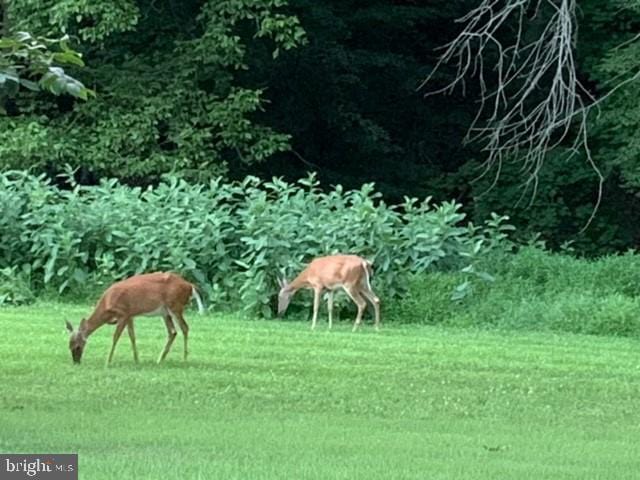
x=317, y=292
x=171, y=335
x=132, y=337
x=185, y=330
x=330, y=307
x=375, y=301
x=116, y=336
x=360, y=302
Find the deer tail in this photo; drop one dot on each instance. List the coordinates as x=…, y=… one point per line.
x=196, y=295
x=367, y=265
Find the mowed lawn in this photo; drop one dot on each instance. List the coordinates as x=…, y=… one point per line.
x=271, y=399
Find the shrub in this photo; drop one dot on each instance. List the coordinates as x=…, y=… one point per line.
x=15, y=287
x=534, y=290
x=234, y=239
x=427, y=301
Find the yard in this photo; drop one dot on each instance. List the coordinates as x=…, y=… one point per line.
x=270, y=399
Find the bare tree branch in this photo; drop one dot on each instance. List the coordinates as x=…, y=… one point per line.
x=536, y=101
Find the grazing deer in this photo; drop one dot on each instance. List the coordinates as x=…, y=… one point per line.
x=162, y=294
x=349, y=272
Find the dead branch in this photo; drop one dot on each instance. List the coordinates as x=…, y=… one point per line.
x=531, y=100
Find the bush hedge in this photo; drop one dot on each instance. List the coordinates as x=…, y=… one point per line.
x=533, y=290
x=232, y=238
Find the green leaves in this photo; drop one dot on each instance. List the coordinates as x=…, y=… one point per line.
x=171, y=103
x=221, y=19
x=34, y=63
x=92, y=22
x=235, y=238
x=68, y=58
x=15, y=286
x=58, y=82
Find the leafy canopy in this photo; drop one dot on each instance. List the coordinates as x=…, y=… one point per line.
x=168, y=97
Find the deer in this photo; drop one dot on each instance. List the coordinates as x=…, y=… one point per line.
x=349, y=272
x=162, y=294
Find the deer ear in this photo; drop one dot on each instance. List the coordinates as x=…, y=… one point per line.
x=69, y=326
x=280, y=282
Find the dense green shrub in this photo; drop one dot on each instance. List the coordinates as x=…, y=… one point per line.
x=234, y=239
x=427, y=301
x=15, y=288
x=534, y=290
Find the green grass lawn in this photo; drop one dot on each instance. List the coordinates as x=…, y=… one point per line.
x=271, y=399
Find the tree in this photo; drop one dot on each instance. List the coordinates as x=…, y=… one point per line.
x=35, y=63
x=348, y=98
x=166, y=77
x=611, y=54
x=532, y=98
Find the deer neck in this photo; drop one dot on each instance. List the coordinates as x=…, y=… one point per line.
x=299, y=282
x=91, y=324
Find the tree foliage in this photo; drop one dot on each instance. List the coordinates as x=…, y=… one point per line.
x=165, y=74
x=556, y=82
x=37, y=64
x=607, y=51
x=349, y=97
x=612, y=55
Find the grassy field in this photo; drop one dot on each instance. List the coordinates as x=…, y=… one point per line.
x=271, y=399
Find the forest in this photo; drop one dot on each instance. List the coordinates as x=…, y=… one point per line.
x=203, y=90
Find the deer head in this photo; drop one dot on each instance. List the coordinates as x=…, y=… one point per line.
x=77, y=341
x=284, y=297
